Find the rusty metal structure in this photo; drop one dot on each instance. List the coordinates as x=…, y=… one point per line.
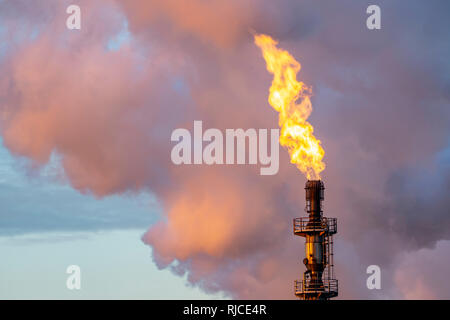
x=318, y=281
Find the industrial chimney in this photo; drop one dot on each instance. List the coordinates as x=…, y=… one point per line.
x=318, y=280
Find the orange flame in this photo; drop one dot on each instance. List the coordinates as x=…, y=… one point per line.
x=291, y=99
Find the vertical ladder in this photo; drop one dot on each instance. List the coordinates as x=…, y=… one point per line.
x=328, y=272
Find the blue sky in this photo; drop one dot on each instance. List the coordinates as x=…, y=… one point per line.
x=41, y=201
x=114, y=265
x=47, y=226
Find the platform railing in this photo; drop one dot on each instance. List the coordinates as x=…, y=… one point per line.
x=305, y=224
x=328, y=286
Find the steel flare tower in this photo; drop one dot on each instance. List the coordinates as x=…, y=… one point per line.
x=318, y=280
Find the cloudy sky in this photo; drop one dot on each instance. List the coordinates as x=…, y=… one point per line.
x=86, y=118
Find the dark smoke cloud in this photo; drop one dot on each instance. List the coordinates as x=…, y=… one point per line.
x=380, y=108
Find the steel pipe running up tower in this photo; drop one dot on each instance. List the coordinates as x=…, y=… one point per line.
x=318, y=280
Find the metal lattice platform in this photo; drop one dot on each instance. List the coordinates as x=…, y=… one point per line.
x=328, y=288
x=305, y=225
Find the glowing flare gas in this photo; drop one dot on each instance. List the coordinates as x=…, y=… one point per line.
x=291, y=99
